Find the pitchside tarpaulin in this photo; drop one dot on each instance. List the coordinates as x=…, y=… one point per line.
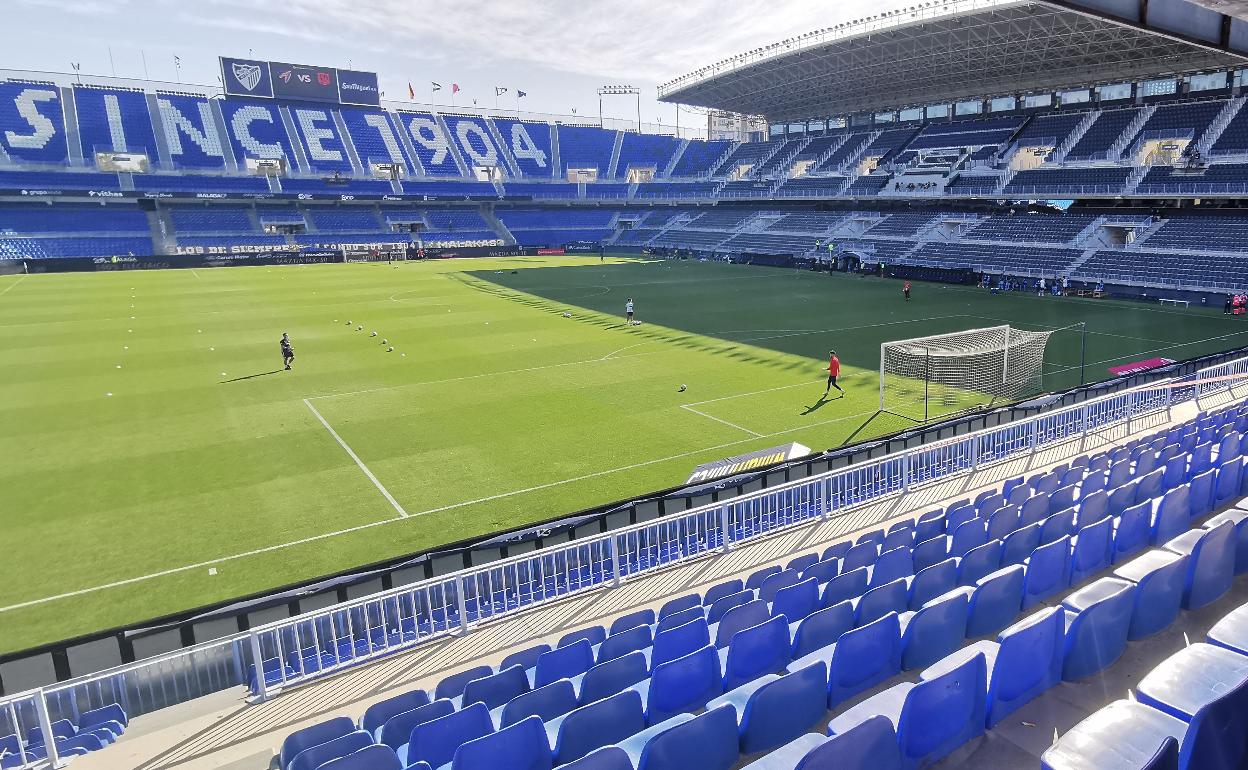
x=1135, y=367
x=746, y=462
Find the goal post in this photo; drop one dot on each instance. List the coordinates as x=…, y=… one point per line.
x=928, y=377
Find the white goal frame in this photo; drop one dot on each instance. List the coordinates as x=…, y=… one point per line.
x=1009, y=384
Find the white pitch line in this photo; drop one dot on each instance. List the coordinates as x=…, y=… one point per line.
x=688, y=408
x=9, y=288
x=380, y=488
x=195, y=274
x=383, y=522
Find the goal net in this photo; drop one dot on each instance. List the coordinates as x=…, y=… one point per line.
x=932, y=376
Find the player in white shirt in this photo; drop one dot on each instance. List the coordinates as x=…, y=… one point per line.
x=628, y=311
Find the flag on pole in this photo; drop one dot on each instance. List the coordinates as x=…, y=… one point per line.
x=499, y=90
x=455, y=88
x=411, y=92
x=520, y=94
x=435, y=86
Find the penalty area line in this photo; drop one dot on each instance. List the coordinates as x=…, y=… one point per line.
x=9, y=288
x=383, y=522
x=688, y=408
x=364, y=468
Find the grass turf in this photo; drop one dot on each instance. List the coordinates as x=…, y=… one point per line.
x=157, y=458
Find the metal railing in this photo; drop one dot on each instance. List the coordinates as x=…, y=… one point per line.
x=289, y=652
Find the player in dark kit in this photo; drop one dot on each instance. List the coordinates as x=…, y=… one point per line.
x=905, y=289
x=288, y=353
x=834, y=371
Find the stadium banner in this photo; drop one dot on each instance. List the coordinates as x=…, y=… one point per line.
x=246, y=77
x=355, y=87
x=745, y=463
x=299, y=82
x=450, y=252
x=1135, y=367
x=582, y=247
x=302, y=82
x=175, y=261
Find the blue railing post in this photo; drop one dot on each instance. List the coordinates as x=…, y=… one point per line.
x=257, y=664
x=724, y=545
x=461, y=588
x=613, y=554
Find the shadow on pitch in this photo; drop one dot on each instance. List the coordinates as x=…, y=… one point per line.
x=821, y=403
x=252, y=376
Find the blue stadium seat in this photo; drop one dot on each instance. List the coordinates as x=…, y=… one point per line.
x=738, y=618
x=848, y=585
x=755, y=651
x=1131, y=532
x=371, y=758
x=616, y=675
x=799, y=563
x=773, y=710
x=861, y=555
x=562, y=663
x=526, y=658
x=294, y=743
x=548, y=702
x=860, y=659
x=1211, y=563
x=822, y=628
x=979, y=561
x=1048, y=571
x=891, y=565
x=881, y=600
x=317, y=755
x=608, y=758
x=677, y=619
x=681, y=685
x=929, y=525
x=1172, y=516
x=679, y=604
x=631, y=620
x=1202, y=488
x=935, y=630
x=618, y=645
x=376, y=715
x=1017, y=546
x=930, y=582
x=398, y=728
x=1159, y=576
x=933, y=717
x=776, y=582
x=1092, y=550
x=595, y=634
x=1002, y=522
x=1023, y=662
x=755, y=579
x=1124, y=735
x=871, y=745
x=836, y=551
x=1228, y=482
x=521, y=746
x=1093, y=507
x=708, y=741
x=497, y=689
x=680, y=641
x=453, y=685
x=996, y=601
x=435, y=741
x=929, y=552
x=1239, y=519
x=796, y=601
x=721, y=606
x=1206, y=687
x=1098, y=619
x=823, y=570
x=594, y=725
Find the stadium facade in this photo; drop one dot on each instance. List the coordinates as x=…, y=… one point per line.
x=1042, y=140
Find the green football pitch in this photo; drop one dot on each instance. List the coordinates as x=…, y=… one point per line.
x=157, y=458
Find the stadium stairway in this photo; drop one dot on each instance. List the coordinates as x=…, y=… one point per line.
x=221, y=731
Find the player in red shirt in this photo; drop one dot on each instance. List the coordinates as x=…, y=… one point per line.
x=905, y=289
x=834, y=370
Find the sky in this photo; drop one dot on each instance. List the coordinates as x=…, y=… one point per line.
x=557, y=51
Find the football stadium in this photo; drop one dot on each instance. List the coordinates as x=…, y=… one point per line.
x=898, y=419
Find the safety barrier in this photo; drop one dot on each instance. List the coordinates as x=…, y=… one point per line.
x=289, y=652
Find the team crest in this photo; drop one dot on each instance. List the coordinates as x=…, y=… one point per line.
x=247, y=75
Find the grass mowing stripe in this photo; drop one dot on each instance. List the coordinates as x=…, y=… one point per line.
x=371, y=525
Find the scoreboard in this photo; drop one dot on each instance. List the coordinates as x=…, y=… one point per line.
x=299, y=82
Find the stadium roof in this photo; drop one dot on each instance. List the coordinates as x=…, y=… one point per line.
x=943, y=51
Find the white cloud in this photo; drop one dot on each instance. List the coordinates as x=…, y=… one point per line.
x=643, y=40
